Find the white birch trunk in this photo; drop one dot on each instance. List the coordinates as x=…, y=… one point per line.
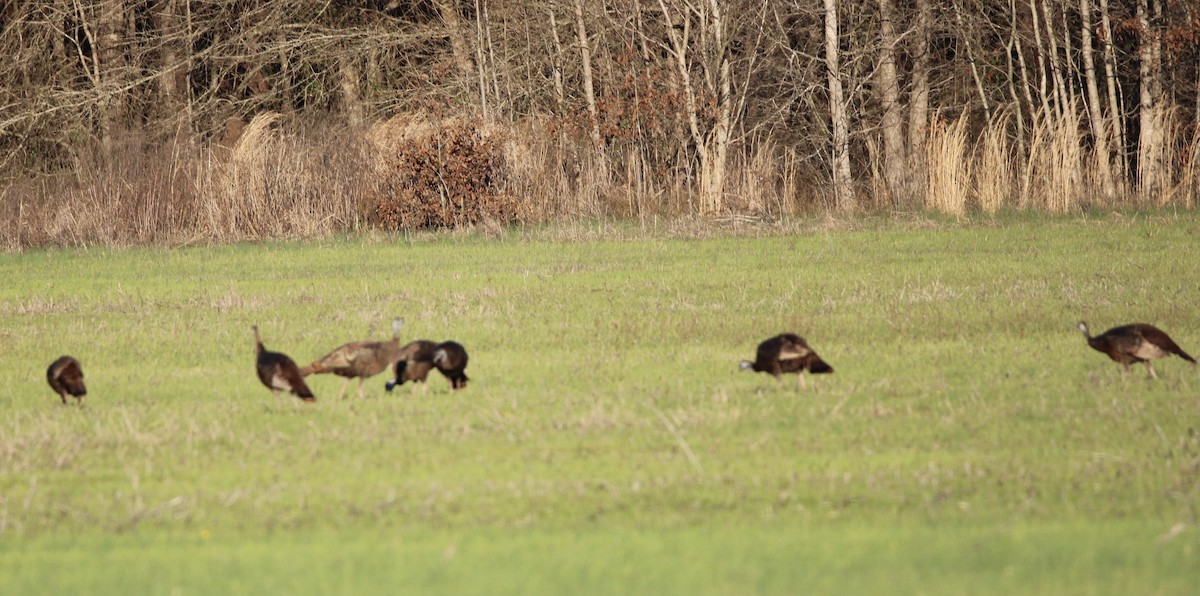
x=894, y=168
x=843, y=191
x=1148, y=137
x=1099, y=124
x=108, y=67
x=712, y=176
x=1115, y=113
x=589, y=93
x=1060, y=89
x=918, y=114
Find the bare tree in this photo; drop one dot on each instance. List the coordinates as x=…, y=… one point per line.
x=1149, y=137
x=1061, y=96
x=451, y=17
x=589, y=90
x=1043, y=89
x=705, y=51
x=104, y=28
x=350, y=84
x=894, y=167
x=967, y=34
x=1115, y=113
x=1099, y=123
x=700, y=102
x=171, y=81
x=843, y=189
x=1019, y=71
x=918, y=113
x=557, y=60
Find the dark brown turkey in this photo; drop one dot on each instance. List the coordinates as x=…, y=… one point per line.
x=66, y=378
x=279, y=372
x=1136, y=342
x=416, y=360
x=786, y=353
x=450, y=358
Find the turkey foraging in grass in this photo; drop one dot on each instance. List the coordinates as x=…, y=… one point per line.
x=279, y=372
x=359, y=359
x=1136, y=342
x=416, y=360
x=66, y=378
x=450, y=358
x=786, y=353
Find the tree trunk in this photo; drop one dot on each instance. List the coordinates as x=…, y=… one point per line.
x=1013, y=47
x=843, y=191
x=1148, y=138
x=1115, y=114
x=712, y=177
x=58, y=24
x=560, y=88
x=918, y=113
x=1158, y=89
x=1072, y=66
x=680, y=40
x=589, y=93
x=287, y=99
x=459, y=50
x=894, y=169
x=1098, y=122
x=348, y=73
x=491, y=53
x=174, y=57
x=1061, y=96
x=480, y=64
x=643, y=39
x=165, y=18
x=966, y=39
x=1043, y=91
x=109, y=58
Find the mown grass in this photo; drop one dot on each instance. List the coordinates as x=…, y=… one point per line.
x=969, y=440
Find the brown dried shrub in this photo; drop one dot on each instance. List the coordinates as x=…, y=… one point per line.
x=440, y=174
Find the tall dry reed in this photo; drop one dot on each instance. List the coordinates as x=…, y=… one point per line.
x=1159, y=187
x=993, y=164
x=1188, y=187
x=1053, y=178
x=949, y=169
x=762, y=180
x=272, y=184
x=288, y=179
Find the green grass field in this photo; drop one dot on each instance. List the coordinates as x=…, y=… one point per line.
x=969, y=442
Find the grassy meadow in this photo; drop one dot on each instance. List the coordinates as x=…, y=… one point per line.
x=969, y=442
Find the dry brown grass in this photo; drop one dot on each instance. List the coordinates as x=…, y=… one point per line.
x=993, y=165
x=276, y=185
x=271, y=184
x=1171, y=185
x=764, y=181
x=1189, y=177
x=287, y=179
x=1052, y=179
x=949, y=169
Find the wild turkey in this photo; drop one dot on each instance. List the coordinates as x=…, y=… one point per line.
x=66, y=378
x=786, y=353
x=279, y=372
x=416, y=360
x=450, y=358
x=359, y=359
x=1136, y=342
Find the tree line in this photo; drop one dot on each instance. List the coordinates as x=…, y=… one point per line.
x=722, y=104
